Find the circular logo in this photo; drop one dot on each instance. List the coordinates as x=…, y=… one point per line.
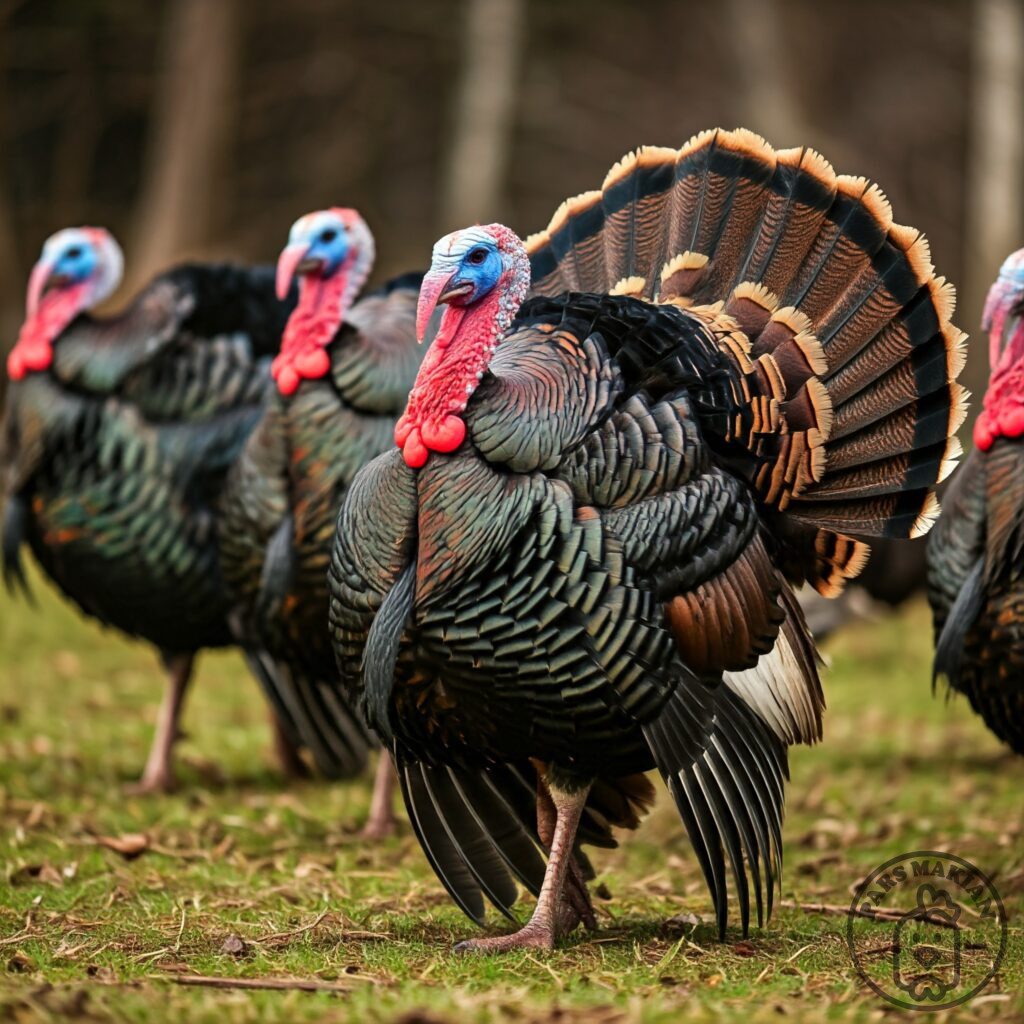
x=926, y=930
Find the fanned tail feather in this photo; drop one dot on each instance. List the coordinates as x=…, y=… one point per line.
x=837, y=327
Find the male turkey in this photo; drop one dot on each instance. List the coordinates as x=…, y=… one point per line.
x=118, y=433
x=976, y=554
x=343, y=375
x=579, y=565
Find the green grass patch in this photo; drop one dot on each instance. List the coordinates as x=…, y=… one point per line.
x=245, y=877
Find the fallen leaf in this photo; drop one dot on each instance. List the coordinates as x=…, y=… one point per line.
x=41, y=745
x=129, y=845
x=35, y=815
x=20, y=962
x=29, y=873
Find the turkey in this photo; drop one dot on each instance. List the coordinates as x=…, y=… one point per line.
x=630, y=437
x=343, y=374
x=976, y=554
x=118, y=433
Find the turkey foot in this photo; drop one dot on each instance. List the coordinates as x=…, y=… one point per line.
x=381, y=822
x=576, y=903
x=158, y=775
x=555, y=909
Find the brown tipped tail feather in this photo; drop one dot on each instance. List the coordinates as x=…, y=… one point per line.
x=831, y=313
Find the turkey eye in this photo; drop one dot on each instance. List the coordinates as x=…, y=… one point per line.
x=477, y=256
x=74, y=252
x=329, y=235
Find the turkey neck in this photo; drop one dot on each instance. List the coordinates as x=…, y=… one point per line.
x=1002, y=413
x=317, y=318
x=318, y=315
x=457, y=359
x=451, y=370
x=34, y=349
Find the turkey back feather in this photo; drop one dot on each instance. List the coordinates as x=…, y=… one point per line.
x=837, y=328
x=221, y=303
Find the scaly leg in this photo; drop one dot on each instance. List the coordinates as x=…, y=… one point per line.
x=381, y=822
x=575, y=906
x=548, y=922
x=285, y=750
x=158, y=776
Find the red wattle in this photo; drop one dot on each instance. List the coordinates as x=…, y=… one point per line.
x=287, y=380
x=311, y=327
x=414, y=451
x=984, y=438
x=53, y=311
x=15, y=365
x=312, y=363
x=445, y=436
x=403, y=428
x=1013, y=422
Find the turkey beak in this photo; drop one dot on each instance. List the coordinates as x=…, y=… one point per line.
x=292, y=261
x=434, y=286
x=438, y=288
x=42, y=276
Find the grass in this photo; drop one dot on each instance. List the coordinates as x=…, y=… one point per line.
x=244, y=877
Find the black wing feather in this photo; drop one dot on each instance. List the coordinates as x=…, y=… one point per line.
x=313, y=716
x=15, y=524
x=724, y=768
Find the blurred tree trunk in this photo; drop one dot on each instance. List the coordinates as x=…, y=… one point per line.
x=763, y=65
x=188, y=148
x=995, y=171
x=12, y=280
x=484, y=112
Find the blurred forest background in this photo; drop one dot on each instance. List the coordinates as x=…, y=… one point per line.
x=203, y=128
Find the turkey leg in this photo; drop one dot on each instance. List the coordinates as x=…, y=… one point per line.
x=381, y=822
x=158, y=775
x=575, y=905
x=548, y=922
x=285, y=750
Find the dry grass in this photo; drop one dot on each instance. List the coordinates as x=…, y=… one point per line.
x=244, y=879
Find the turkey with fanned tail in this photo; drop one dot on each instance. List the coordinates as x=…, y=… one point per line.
x=630, y=437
